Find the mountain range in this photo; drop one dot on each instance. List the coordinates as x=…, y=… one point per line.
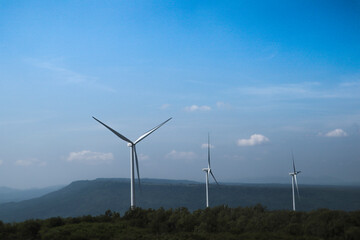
x=94, y=197
x=17, y=195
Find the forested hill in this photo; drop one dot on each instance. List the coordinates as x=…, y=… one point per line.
x=96, y=196
x=216, y=223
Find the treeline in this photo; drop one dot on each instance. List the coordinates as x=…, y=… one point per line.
x=219, y=222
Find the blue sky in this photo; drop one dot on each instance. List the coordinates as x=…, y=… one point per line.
x=263, y=77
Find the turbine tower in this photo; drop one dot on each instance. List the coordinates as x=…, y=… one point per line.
x=293, y=180
x=133, y=155
x=207, y=172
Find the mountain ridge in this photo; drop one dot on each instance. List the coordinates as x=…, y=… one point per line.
x=8, y=194
x=94, y=197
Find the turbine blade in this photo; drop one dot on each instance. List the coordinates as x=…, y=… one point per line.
x=115, y=132
x=292, y=154
x=150, y=131
x=137, y=166
x=214, y=177
x=297, y=188
x=209, y=166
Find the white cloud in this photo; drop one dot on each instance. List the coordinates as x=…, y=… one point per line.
x=143, y=157
x=175, y=155
x=165, y=106
x=42, y=164
x=222, y=105
x=336, y=133
x=23, y=163
x=205, y=145
x=194, y=108
x=30, y=162
x=255, y=139
x=90, y=157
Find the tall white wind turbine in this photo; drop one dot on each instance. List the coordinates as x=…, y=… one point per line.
x=133, y=155
x=207, y=172
x=294, y=180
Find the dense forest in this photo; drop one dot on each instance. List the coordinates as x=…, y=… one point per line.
x=220, y=222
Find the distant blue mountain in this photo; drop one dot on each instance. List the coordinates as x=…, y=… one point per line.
x=16, y=195
x=96, y=196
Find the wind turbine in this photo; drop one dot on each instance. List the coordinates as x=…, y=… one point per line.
x=293, y=179
x=133, y=155
x=208, y=171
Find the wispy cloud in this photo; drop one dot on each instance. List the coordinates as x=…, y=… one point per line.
x=89, y=157
x=30, y=162
x=194, y=108
x=350, y=80
x=223, y=105
x=205, y=145
x=143, y=157
x=350, y=84
x=304, y=90
x=255, y=139
x=175, y=155
x=23, y=163
x=165, y=106
x=1, y=162
x=336, y=133
x=24, y=121
x=268, y=52
x=68, y=76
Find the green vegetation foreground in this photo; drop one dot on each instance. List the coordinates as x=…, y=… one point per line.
x=212, y=223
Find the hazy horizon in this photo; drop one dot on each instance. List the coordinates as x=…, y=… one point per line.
x=263, y=78
x=254, y=181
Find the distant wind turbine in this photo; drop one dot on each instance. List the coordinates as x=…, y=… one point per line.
x=208, y=171
x=133, y=155
x=293, y=179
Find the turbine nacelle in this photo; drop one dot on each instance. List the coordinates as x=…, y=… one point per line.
x=294, y=173
x=294, y=181
x=133, y=156
x=208, y=172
